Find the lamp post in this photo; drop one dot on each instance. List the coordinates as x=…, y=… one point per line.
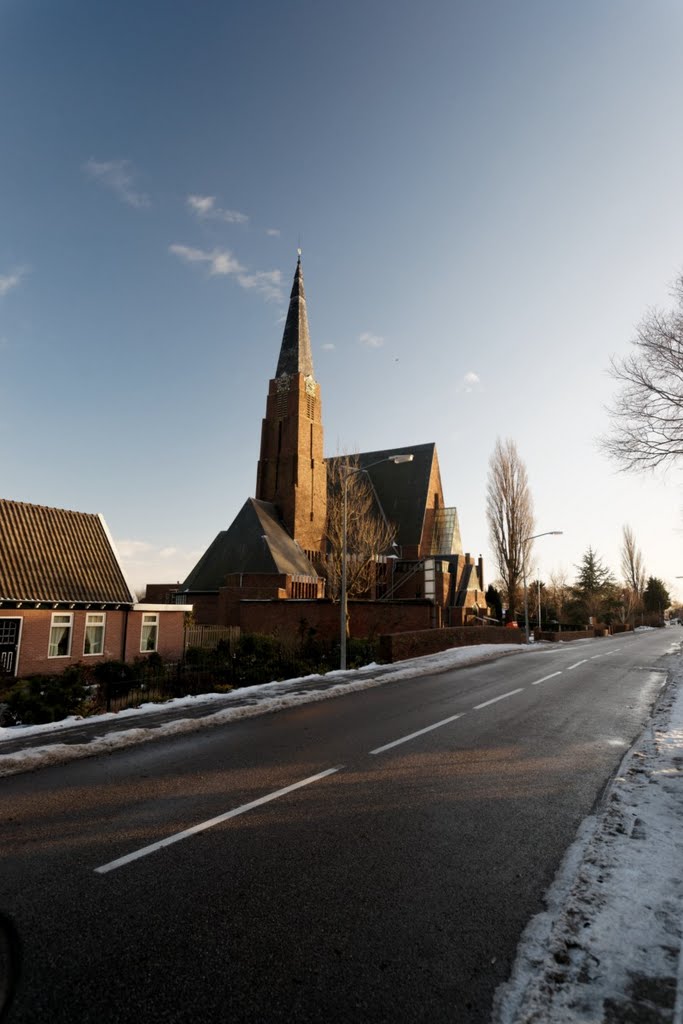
x=396, y=459
x=527, y=540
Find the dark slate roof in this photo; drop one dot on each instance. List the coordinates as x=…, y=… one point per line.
x=295, y=351
x=402, y=490
x=58, y=556
x=255, y=542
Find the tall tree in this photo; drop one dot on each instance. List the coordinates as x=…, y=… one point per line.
x=510, y=516
x=558, y=593
x=493, y=601
x=647, y=413
x=595, y=592
x=656, y=597
x=368, y=533
x=632, y=567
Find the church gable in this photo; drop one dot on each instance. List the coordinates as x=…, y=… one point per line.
x=256, y=542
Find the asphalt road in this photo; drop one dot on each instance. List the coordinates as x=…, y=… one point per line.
x=420, y=825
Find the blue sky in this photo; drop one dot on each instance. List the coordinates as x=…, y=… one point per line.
x=488, y=197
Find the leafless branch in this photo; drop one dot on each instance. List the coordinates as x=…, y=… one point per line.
x=510, y=515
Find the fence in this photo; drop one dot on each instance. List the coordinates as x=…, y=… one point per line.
x=208, y=637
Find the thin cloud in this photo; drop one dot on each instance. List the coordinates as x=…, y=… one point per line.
x=222, y=262
x=10, y=281
x=132, y=548
x=206, y=209
x=470, y=381
x=371, y=340
x=117, y=176
x=273, y=232
x=266, y=282
x=328, y=347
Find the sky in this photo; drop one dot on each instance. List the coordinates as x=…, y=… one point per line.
x=487, y=196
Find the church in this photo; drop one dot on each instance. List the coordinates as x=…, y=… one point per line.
x=266, y=570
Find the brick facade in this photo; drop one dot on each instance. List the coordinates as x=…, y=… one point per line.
x=291, y=470
x=366, y=618
x=35, y=637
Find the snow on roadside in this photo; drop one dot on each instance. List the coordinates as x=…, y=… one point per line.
x=608, y=947
x=263, y=699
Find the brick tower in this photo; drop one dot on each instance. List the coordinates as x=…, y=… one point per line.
x=291, y=470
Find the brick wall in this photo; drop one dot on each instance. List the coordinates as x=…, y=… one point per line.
x=366, y=618
x=398, y=646
x=35, y=637
x=566, y=635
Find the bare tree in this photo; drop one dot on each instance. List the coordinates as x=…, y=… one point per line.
x=558, y=591
x=632, y=567
x=647, y=413
x=510, y=515
x=368, y=532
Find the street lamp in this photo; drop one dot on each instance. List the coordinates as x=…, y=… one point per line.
x=396, y=459
x=527, y=540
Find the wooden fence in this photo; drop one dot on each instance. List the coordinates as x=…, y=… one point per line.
x=207, y=637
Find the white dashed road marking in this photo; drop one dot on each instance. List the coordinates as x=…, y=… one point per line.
x=153, y=847
x=412, y=735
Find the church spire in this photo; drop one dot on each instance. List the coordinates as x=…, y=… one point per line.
x=295, y=351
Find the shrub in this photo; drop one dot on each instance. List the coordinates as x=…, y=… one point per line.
x=43, y=698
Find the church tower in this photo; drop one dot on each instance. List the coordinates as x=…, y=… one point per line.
x=291, y=470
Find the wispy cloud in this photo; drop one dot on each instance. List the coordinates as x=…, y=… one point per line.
x=273, y=232
x=221, y=261
x=327, y=347
x=117, y=176
x=206, y=209
x=266, y=282
x=371, y=340
x=12, y=280
x=144, y=562
x=470, y=381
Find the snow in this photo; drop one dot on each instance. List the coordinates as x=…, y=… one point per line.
x=608, y=947
x=245, y=702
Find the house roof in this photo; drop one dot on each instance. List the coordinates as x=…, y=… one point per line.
x=295, y=351
x=255, y=542
x=402, y=489
x=57, y=556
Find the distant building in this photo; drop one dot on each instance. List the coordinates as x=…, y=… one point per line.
x=64, y=597
x=272, y=554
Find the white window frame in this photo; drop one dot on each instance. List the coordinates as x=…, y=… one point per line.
x=60, y=620
x=149, y=619
x=100, y=622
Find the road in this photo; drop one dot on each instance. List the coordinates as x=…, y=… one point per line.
x=370, y=858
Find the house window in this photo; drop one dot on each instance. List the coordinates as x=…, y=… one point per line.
x=61, y=628
x=94, y=634
x=150, y=632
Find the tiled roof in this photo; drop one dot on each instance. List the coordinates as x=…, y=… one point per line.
x=255, y=542
x=402, y=490
x=58, y=556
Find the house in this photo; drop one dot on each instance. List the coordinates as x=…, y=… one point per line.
x=274, y=552
x=64, y=597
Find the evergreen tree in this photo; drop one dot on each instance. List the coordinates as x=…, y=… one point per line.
x=595, y=592
x=656, y=597
x=495, y=602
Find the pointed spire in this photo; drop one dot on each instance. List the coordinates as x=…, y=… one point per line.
x=295, y=351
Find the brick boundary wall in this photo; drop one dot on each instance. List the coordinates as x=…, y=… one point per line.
x=398, y=646
x=566, y=635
